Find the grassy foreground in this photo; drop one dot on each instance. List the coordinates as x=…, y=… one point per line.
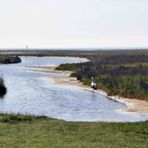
x=29, y=131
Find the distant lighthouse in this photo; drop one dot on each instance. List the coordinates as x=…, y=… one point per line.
x=27, y=47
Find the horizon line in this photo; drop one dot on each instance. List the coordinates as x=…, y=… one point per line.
x=79, y=48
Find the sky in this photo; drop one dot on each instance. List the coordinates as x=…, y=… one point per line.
x=73, y=23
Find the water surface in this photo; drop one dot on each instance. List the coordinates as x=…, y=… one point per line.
x=34, y=93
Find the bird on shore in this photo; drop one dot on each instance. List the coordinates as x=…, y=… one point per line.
x=93, y=85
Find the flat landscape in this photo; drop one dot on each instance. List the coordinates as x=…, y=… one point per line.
x=122, y=73
x=74, y=74
x=73, y=52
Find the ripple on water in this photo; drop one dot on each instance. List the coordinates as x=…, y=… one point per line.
x=34, y=93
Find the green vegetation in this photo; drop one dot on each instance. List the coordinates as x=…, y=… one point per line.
x=12, y=118
x=6, y=59
x=117, y=74
x=73, y=52
x=30, y=131
x=3, y=88
x=2, y=58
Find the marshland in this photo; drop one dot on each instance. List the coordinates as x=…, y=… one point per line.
x=54, y=92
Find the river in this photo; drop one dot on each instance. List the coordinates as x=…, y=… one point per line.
x=31, y=92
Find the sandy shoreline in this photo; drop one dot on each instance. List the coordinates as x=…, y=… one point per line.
x=133, y=105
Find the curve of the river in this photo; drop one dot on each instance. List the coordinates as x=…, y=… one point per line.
x=34, y=93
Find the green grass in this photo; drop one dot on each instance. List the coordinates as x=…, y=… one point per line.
x=41, y=132
x=3, y=57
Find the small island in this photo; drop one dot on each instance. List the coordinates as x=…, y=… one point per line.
x=4, y=59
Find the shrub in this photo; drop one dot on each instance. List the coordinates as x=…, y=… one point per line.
x=3, y=88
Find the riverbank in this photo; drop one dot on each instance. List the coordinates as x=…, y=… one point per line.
x=39, y=131
x=133, y=105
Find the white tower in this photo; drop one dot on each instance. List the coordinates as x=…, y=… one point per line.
x=27, y=47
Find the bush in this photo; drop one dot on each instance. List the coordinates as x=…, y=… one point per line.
x=3, y=88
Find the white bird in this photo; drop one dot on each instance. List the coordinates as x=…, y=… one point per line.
x=93, y=84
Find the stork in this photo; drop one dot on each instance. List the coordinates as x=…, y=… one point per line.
x=93, y=84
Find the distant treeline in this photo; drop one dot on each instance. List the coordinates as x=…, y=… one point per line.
x=124, y=75
x=73, y=52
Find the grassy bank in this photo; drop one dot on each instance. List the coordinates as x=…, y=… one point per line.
x=31, y=131
x=117, y=74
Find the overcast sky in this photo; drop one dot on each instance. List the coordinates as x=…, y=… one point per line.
x=73, y=23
